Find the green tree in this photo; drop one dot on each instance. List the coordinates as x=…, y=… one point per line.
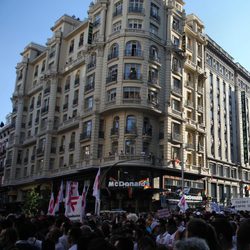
x=32, y=203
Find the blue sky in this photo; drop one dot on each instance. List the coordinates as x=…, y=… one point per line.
x=22, y=22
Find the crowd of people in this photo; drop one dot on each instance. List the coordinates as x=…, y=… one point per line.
x=193, y=230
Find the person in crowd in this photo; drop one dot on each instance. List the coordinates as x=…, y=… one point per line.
x=243, y=235
x=8, y=239
x=65, y=226
x=197, y=227
x=224, y=232
x=74, y=236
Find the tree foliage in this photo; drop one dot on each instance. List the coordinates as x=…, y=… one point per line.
x=32, y=203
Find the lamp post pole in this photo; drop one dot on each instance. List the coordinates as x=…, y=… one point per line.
x=182, y=167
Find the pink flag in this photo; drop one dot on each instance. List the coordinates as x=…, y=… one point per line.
x=84, y=199
x=51, y=205
x=59, y=198
x=96, y=187
x=183, y=204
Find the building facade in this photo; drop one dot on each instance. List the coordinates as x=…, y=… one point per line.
x=125, y=90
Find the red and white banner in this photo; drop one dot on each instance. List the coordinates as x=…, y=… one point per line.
x=51, y=205
x=73, y=202
x=59, y=199
x=182, y=204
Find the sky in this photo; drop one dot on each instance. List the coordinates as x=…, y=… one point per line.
x=23, y=21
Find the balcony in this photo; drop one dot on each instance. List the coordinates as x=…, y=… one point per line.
x=177, y=90
x=176, y=137
x=155, y=16
x=72, y=146
x=200, y=147
x=200, y=108
x=113, y=55
x=76, y=82
x=176, y=112
x=89, y=87
x=135, y=9
x=40, y=151
x=111, y=78
x=176, y=69
x=85, y=136
x=65, y=106
x=133, y=52
x=45, y=109
x=66, y=87
x=131, y=100
x=75, y=101
x=190, y=146
x=117, y=12
x=91, y=66
x=61, y=149
x=189, y=104
x=154, y=58
x=114, y=132
x=46, y=91
x=130, y=131
x=153, y=81
x=133, y=76
x=190, y=64
x=189, y=85
x=8, y=162
x=101, y=134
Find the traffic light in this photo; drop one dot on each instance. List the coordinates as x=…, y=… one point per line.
x=90, y=33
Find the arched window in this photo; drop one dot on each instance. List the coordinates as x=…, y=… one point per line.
x=133, y=48
x=131, y=124
x=114, y=51
x=153, y=53
x=39, y=99
x=77, y=78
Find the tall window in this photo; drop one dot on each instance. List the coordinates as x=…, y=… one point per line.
x=133, y=48
x=132, y=71
x=71, y=46
x=77, y=78
x=112, y=73
x=154, y=12
x=131, y=124
x=81, y=39
x=118, y=8
x=111, y=95
x=87, y=128
x=90, y=84
x=114, y=51
x=135, y=5
x=129, y=147
x=153, y=53
x=88, y=104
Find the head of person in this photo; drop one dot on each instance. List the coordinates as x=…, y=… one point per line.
x=197, y=227
x=192, y=243
x=243, y=238
x=74, y=235
x=224, y=232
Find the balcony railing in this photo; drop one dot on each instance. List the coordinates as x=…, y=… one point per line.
x=117, y=12
x=176, y=137
x=133, y=52
x=89, y=86
x=155, y=16
x=114, y=131
x=85, y=135
x=154, y=58
x=91, y=65
x=61, y=149
x=131, y=130
x=135, y=9
x=111, y=78
x=113, y=55
x=176, y=90
x=132, y=76
x=72, y=146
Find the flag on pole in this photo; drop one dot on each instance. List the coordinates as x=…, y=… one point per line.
x=96, y=192
x=71, y=197
x=84, y=199
x=51, y=205
x=182, y=204
x=59, y=198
